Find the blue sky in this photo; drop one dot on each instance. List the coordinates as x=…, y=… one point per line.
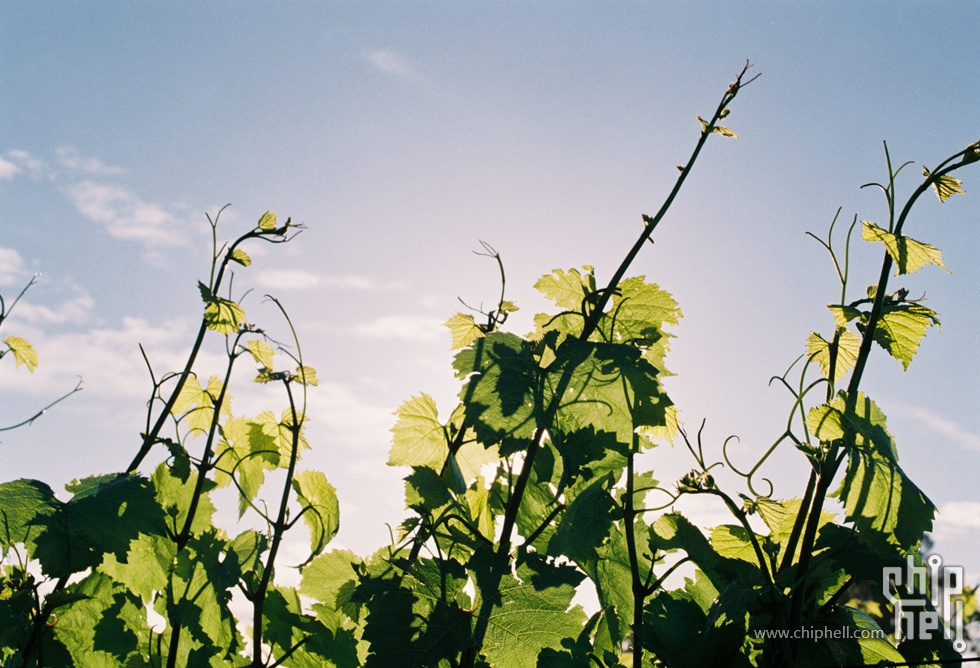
x=403, y=133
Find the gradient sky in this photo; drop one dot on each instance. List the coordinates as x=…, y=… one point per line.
x=403, y=133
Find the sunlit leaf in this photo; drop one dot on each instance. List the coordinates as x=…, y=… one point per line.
x=221, y=315
x=241, y=257
x=723, y=131
x=890, y=512
x=464, y=330
x=908, y=254
x=945, y=186
x=261, y=352
x=902, y=327
x=23, y=352
x=419, y=439
x=305, y=375
x=567, y=289
x=321, y=511
x=267, y=221
x=848, y=346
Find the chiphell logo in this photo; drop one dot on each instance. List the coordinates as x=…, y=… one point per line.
x=926, y=599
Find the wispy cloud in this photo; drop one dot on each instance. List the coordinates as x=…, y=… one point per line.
x=24, y=161
x=951, y=430
x=69, y=157
x=402, y=327
x=11, y=266
x=126, y=216
x=75, y=310
x=393, y=63
x=300, y=279
x=7, y=169
x=959, y=516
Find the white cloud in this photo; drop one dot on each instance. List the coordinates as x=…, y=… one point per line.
x=287, y=279
x=69, y=157
x=126, y=216
x=11, y=266
x=76, y=310
x=392, y=62
x=958, y=517
x=8, y=169
x=951, y=430
x=402, y=327
x=300, y=279
x=24, y=160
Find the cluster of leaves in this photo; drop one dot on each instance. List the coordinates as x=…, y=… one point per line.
x=132, y=570
x=528, y=490
x=525, y=493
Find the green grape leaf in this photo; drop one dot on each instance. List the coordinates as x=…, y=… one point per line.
x=613, y=579
x=321, y=511
x=609, y=388
x=26, y=507
x=861, y=641
x=567, y=289
x=106, y=626
x=221, y=315
x=419, y=439
x=147, y=566
x=890, y=512
x=499, y=393
x=330, y=577
x=586, y=522
x=425, y=490
x=23, y=352
x=733, y=541
x=463, y=329
x=305, y=375
x=278, y=436
x=723, y=131
x=245, y=452
x=901, y=327
x=844, y=314
x=945, y=186
x=196, y=404
x=174, y=494
x=261, y=352
x=267, y=221
x=908, y=254
x=818, y=349
x=528, y=617
x=196, y=599
x=241, y=257
x=825, y=422
x=103, y=517
x=639, y=312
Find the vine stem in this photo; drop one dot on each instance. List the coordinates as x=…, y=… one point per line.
x=832, y=460
x=650, y=223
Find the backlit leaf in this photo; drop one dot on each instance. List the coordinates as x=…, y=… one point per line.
x=23, y=352
x=419, y=439
x=261, y=352
x=901, y=327
x=528, y=618
x=321, y=511
x=241, y=257
x=908, y=254
x=567, y=289
x=890, y=512
x=267, y=221
x=818, y=349
x=944, y=186
x=463, y=329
